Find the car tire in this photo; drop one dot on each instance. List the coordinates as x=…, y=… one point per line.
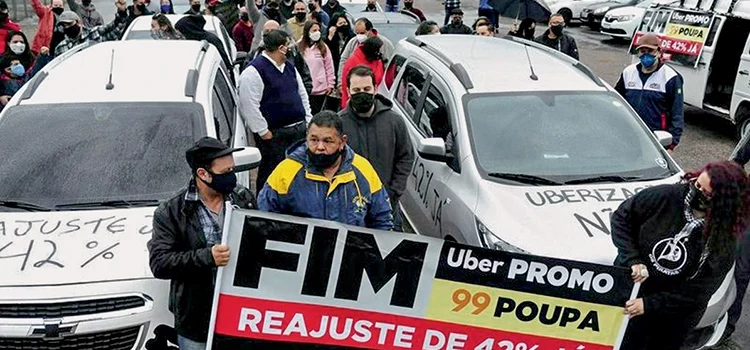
x=567, y=15
x=743, y=126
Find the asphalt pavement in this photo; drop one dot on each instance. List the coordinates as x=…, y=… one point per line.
x=706, y=137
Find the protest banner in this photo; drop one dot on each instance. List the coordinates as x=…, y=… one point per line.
x=312, y=284
x=683, y=33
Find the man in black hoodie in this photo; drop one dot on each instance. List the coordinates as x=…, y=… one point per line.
x=556, y=39
x=332, y=7
x=192, y=28
x=378, y=134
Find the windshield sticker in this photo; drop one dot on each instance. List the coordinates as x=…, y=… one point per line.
x=662, y=163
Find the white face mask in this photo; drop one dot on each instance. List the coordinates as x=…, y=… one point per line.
x=361, y=38
x=315, y=36
x=17, y=48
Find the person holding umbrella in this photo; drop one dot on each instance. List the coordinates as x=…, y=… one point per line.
x=556, y=39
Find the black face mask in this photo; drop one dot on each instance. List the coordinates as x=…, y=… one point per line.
x=332, y=4
x=244, y=17
x=557, y=30
x=272, y=12
x=457, y=21
x=323, y=161
x=86, y=2
x=311, y=7
x=528, y=33
x=73, y=31
x=699, y=201
x=58, y=10
x=343, y=28
x=141, y=8
x=196, y=8
x=408, y=4
x=3, y=17
x=300, y=16
x=222, y=183
x=362, y=102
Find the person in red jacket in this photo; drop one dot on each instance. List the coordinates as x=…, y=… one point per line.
x=367, y=54
x=6, y=25
x=47, y=22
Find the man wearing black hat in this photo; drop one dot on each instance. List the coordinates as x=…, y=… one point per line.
x=457, y=25
x=186, y=244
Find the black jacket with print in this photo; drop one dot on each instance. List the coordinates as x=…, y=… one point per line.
x=642, y=228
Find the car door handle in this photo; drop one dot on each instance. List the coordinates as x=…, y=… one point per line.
x=744, y=72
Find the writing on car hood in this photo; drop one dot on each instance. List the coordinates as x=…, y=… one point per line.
x=68, y=247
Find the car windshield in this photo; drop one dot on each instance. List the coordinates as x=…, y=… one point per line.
x=354, y=7
x=561, y=136
x=146, y=34
x=395, y=31
x=74, y=153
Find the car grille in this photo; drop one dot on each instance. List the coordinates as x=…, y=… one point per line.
x=614, y=31
x=72, y=308
x=122, y=339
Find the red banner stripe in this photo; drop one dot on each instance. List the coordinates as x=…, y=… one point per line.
x=274, y=321
x=673, y=45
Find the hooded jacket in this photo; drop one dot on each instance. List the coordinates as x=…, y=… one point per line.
x=386, y=51
x=228, y=13
x=321, y=69
x=43, y=36
x=192, y=28
x=355, y=196
x=383, y=139
x=462, y=28
x=333, y=10
x=89, y=16
x=358, y=58
x=651, y=228
x=563, y=43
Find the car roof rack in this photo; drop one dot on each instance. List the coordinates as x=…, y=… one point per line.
x=191, y=83
x=576, y=64
x=456, y=68
x=33, y=84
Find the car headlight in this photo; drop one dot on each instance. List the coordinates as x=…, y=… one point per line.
x=601, y=10
x=491, y=240
x=624, y=18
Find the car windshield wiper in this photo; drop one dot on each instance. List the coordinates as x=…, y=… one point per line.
x=24, y=205
x=525, y=178
x=119, y=203
x=605, y=178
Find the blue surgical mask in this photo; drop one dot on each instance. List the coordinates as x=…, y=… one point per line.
x=18, y=70
x=165, y=8
x=648, y=60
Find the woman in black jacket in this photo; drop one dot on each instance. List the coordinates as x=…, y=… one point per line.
x=679, y=240
x=339, y=33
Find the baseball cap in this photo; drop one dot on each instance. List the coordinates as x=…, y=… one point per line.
x=205, y=150
x=649, y=40
x=457, y=11
x=68, y=16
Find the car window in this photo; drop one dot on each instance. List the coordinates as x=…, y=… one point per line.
x=221, y=118
x=561, y=135
x=393, y=69
x=146, y=35
x=396, y=31
x=409, y=89
x=226, y=40
x=433, y=112
x=712, y=33
x=227, y=99
x=97, y=151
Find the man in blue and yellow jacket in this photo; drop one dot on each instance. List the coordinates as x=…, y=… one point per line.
x=323, y=178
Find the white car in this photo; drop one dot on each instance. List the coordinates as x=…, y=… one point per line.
x=623, y=22
x=354, y=7
x=571, y=9
x=513, y=159
x=86, y=160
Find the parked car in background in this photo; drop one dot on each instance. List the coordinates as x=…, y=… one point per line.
x=354, y=7
x=592, y=16
x=571, y=9
x=84, y=167
x=394, y=26
x=622, y=23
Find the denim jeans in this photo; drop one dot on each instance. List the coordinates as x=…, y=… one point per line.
x=391, y=8
x=187, y=344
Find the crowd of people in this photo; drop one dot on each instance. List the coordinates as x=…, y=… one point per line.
x=334, y=149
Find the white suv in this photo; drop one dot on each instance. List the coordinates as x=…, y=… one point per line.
x=528, y=154
x=90, y=147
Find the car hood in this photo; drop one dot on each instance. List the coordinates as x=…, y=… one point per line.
x=70, y=247
x=567, y=222
x=610, y=4
x=627, y=10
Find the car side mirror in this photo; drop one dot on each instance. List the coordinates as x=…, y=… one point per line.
x=241, y=57
x=246, y=159
x=665, y=138
x=433, y=149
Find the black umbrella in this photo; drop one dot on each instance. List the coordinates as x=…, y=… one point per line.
x=535, y=9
